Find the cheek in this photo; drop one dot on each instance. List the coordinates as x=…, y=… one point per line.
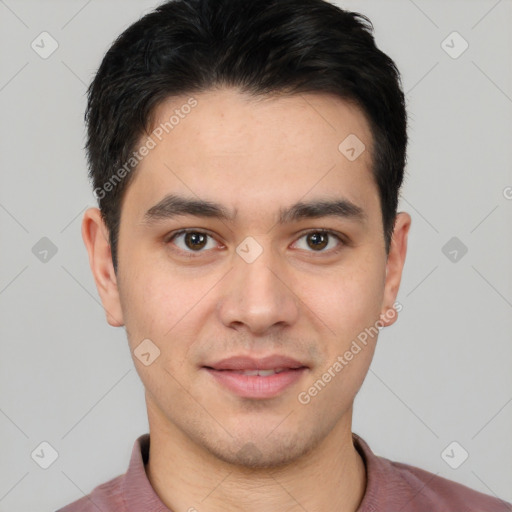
x=351, y=310
x=164, y=307
x=153, y=298
x=349, y=299
x=159, y=311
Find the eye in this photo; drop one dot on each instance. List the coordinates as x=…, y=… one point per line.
x=192, y=240
x=196, y=241
x=319, y=239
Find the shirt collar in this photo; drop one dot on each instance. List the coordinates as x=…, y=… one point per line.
x=137, y=490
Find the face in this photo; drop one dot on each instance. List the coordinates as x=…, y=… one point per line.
x=250, y=241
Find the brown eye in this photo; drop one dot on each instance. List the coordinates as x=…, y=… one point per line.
x=195, y=240
x=191, y=241
x=317, y=240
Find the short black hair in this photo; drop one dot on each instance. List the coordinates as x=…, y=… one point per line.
x=261, y=47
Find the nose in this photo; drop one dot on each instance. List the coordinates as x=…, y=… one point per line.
x=258, y=296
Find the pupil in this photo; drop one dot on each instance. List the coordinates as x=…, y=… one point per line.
x=319, y=240
x=195, y=240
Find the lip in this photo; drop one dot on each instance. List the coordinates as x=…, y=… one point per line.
x=251, y=363
x=226, y=373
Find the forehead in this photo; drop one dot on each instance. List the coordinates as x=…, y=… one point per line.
x=248, y=152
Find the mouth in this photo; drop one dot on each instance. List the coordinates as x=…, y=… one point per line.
x=263, y=378
x=260, y=373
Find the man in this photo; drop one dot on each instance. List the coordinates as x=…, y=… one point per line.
x=247, y=158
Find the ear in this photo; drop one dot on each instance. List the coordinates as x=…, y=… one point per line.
x=96, y=240
x=394, y=267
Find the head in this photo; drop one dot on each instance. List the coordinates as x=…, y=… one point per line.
x=277, y=131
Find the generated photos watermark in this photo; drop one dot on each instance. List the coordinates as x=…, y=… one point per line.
x=304, y=397
x=150, y=143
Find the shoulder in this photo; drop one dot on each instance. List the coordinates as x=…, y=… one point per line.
x=103, y=497
x=393, y=486
x=131, y=490
x=434, y=493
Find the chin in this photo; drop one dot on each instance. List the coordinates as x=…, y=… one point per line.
x=264, y=453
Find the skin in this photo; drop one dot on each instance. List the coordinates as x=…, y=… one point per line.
x=210, y=449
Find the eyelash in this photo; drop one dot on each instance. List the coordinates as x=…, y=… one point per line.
x=195, y=254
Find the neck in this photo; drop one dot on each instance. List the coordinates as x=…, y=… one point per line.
x=187, y=477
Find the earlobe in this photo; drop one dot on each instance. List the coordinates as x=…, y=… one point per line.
x=394, y=267
x=96, y=240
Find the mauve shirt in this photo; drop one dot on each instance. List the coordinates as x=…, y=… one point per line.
x=391, y=487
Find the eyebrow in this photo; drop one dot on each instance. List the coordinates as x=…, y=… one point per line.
x=172, y=206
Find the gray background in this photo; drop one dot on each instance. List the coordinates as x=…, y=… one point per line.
x=440, y=374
